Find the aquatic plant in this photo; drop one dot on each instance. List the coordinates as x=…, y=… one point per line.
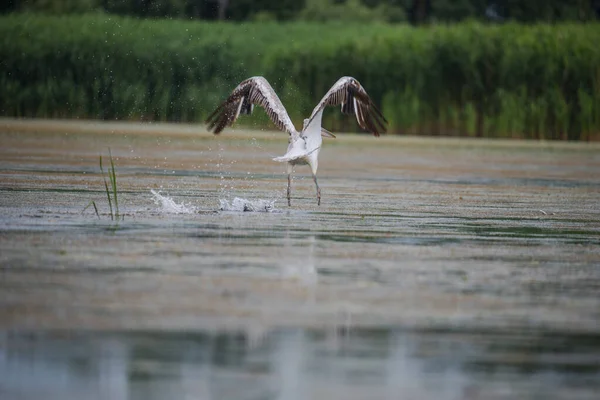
x=112, y=193
x=112, y=176
x=92, y=203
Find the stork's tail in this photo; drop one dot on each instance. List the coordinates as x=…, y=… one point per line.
x=286, y=158
x=295, y=154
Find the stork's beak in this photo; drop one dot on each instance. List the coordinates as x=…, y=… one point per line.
x=327, y=134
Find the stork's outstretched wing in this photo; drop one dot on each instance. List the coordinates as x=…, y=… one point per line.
x=348, y=92
x=255, y=90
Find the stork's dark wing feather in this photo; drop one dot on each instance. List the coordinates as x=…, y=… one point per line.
x=255, y=90
x=353, y=98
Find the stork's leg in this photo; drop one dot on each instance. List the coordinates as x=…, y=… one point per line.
x=289, y=188
x=318, y=190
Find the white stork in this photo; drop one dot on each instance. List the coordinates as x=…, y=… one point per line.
x=303, y=146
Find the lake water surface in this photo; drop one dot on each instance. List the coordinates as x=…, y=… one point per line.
x=433, y=269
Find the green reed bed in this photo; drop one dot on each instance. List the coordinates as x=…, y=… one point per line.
x=537, y=81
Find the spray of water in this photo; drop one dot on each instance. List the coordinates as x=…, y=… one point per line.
x=168, y=205
x=239, y=204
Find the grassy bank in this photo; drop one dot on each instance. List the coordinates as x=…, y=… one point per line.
x=511, y=80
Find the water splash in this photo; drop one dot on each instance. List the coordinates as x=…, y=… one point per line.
x=239, y=204
x=168, y=205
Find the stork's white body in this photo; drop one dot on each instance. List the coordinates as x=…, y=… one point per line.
x=304, y=147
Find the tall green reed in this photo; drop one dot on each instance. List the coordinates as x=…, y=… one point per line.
x=532, y=81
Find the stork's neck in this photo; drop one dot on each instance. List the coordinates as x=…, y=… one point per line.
x=311, y=135
x=314, y=126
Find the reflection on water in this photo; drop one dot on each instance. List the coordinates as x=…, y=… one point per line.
x=290, y=364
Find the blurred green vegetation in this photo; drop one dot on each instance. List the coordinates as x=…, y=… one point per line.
x=415, y=11
x=509, y=80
